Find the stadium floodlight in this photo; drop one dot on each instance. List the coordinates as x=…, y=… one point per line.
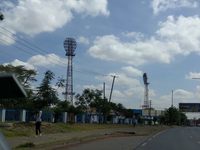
x=1, y=16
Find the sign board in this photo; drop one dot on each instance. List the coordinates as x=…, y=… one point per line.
x=189, y=107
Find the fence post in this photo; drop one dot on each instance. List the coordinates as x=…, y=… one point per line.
x=75, y=119
x=65, y=117
x=83, y=118
x=23, y=115
x=3, y=115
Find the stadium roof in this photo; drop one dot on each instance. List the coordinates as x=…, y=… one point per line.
x=10, y=87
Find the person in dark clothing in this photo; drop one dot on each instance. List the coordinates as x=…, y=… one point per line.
x=38, y=123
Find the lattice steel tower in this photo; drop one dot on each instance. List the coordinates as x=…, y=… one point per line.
x=70, y=46
x=146, y=92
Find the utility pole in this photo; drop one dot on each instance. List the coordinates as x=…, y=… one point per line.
x=104, y=91
x=172, y=98
x=112, y=87
x=149, y=112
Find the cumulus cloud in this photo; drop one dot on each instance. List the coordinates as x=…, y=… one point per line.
x=35, y=16
x=163, y=5
x=47, y=60
x=134, y=35
x=83, y=40
x=131, y=71
x=192, y=75
x=128, y=89
x=179, y=96
x=176, y=36
x=17, y=62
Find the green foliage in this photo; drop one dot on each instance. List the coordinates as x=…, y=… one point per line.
x=25, y=77
x=173, y=116
x=46, y=95
x=84, y=100
x=93, y=99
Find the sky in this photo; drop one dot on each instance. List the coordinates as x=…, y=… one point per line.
x=114, y=37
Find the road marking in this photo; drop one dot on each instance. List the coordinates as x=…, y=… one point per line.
x=144, y=144
x=158, y=133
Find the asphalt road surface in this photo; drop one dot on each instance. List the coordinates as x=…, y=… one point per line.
x=114, y=143
x=183, y=138
x=180, y=138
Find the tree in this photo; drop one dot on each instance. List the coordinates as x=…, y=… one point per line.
x=60, y=83
x=83, y=101
x=46, y=95
x=25, y=77
x=173, y=116
x=92, y=99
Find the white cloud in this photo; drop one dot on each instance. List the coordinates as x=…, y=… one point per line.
x=131, y=71
x=163, y=5
x=17, y=62
x=179, y=96
x=109, y=47
x=134, y=35
x=93, y=8
x=35, y=16
x=193, y=75
x=47, y=60
x=127, y=90
x=176, y=36
x=83, y=40
x=183, y=31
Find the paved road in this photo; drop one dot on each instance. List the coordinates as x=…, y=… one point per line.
x=183, y=138
x=114, y=143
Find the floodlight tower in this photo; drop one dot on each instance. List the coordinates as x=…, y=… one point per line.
x=70, y=46
x=1, y=16
x=146, y=92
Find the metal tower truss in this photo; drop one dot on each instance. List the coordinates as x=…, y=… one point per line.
x=146, y=92
x=70, y=46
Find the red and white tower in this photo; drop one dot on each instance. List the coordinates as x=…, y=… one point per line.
x=70, y=46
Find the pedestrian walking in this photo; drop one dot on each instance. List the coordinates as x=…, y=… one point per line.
x=38, y=123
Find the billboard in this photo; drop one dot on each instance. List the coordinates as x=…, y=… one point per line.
x=189, y=107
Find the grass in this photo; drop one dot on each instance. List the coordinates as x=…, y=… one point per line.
x=26, y=145
x=28, y=129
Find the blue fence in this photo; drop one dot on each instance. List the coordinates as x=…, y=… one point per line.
x=27, y=116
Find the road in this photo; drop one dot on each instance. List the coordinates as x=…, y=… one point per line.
x=114, y=143
x=180, y=138
x=183, y=138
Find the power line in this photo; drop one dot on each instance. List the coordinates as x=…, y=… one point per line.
x=22, y=42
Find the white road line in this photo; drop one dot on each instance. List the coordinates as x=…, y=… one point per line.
x=144, y=144
x=158, y=133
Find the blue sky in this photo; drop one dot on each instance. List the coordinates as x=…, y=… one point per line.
x=114, y=37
